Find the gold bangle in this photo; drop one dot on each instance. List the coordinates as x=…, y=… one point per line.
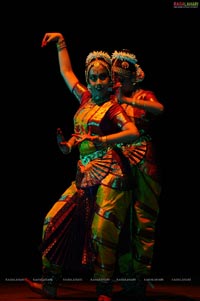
x=134, y=103
x=69, y=146
x=143, y=104
x=61, y=44
x=103, y=139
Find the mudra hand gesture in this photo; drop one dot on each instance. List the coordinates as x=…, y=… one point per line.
x=87, y=136
x=51, y=37
x=62, y=143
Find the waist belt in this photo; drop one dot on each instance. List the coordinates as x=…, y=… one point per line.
x=85, y=159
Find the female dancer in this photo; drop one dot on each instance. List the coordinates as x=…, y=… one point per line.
x=142, y=106
x=96, y=203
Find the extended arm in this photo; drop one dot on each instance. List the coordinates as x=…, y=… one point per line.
x=145, y=100
x=63, y=57
x=128, y=134
x=65, y=145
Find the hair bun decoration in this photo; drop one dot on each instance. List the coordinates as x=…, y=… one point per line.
x=139, y=73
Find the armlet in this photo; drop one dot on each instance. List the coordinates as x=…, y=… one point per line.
x=78, y=90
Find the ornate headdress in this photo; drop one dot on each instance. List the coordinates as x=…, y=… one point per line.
x=97, y=57
x=125, y=63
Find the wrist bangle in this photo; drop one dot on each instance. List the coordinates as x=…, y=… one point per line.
x=134, y=103
x=69, y=146
x=142, y=104
x=104, y=139
x=61, y=44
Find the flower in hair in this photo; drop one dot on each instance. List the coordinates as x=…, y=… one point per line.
x=95, y=55
x=124, y=56
x=139, y=73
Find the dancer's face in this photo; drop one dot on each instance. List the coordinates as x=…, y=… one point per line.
x=125, y=81
x=99, y=81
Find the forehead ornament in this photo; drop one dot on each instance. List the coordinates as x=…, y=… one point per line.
x=125, y=65
x=96, y=64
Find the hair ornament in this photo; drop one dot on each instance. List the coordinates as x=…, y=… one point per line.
x=125, y=63
x=124, y=56
x=139, y=73
x=95, y=55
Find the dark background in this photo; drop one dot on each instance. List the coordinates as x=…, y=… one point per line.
x=36, y=101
